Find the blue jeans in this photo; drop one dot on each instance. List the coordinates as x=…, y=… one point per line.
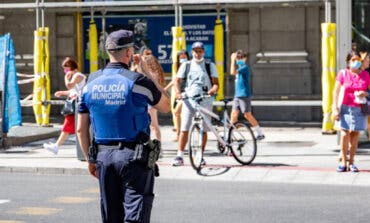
x=126, y=187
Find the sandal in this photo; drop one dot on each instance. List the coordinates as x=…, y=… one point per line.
x=341, y=168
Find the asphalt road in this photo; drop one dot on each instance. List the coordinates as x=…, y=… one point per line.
x=36, y=198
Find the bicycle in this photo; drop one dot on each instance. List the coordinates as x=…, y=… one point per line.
x=237, y=139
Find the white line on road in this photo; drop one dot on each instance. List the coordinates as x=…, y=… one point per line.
x=4, y=201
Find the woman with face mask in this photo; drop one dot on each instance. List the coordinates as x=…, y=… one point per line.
x=182, y=58
x=355, y=83
x=74, y=81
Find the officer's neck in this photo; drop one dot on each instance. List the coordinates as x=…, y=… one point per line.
x=123, y=62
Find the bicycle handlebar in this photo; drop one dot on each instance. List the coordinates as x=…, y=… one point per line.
x=195, y=97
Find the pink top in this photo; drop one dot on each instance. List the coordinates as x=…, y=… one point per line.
x=352, y=82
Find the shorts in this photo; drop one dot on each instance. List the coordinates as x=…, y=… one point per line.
x=69, y=124
x=188, y=112
x=242, y=104
x=352, y=118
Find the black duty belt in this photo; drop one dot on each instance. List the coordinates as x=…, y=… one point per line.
x=117, y=145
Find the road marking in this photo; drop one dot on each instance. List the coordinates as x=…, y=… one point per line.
x=94, y=190
x=3, y=202
x=37, y=211
x=73, y=200
x=10, y=221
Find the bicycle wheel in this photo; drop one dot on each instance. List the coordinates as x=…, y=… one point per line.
x=243, y=144
x=195, y=147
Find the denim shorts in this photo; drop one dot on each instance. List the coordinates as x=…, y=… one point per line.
x=352, y=118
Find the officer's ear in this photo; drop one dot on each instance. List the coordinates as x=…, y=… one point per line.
x=129, y=52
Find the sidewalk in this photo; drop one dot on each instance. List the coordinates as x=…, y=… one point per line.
x=288, y=154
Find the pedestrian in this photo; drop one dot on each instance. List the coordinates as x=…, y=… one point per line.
x=146, y=63
x=115, y=101
x=182, y=57
x=74, y=81
x=200, y=76
x=243, y=91
x=354, y=83
x=365, y=66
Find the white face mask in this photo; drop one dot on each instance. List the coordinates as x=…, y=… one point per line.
x=198, y=60
x=183, y=60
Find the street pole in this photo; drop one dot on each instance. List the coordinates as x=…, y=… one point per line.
x=327, y=11
x=37, y=14
x=344, y=22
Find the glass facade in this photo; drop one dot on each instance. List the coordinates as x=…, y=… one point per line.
x=361, y=24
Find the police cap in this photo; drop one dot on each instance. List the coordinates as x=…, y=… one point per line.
x=119, y=39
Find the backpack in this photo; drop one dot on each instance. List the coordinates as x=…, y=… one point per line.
x=187, y=69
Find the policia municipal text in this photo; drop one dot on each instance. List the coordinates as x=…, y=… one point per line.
x=121, y=155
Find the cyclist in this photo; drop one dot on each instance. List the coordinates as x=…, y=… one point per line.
x=243, y=93
x=200, y=76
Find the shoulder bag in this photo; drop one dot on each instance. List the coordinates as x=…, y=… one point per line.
x=68, y=107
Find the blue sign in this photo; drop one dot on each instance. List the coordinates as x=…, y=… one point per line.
x=154, y=31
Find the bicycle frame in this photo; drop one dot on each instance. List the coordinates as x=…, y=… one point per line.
x=232, y=139
x=205, y=114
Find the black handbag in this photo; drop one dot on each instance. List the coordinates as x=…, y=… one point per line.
x=68, y=107
x=366, y=107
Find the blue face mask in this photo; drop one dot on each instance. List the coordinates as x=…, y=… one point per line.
x=183, y=60
x=240, y=63
x=355, y=64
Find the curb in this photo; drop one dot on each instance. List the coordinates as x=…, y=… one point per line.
x=45, y=170
x=18, y=141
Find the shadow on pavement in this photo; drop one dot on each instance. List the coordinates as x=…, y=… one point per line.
x=214, y=170
x=270, y=165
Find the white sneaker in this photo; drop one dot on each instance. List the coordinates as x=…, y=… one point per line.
x=52, y=147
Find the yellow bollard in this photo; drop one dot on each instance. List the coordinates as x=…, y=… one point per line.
x=45, y=109
x=38, y=81
x=93, y=43
x=219, y=57
x=328, y=53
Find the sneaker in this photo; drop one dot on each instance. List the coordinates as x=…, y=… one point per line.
x=341, y=168
x=353, y=168
x=52, y=147
x=260, y=137
x=178, y=161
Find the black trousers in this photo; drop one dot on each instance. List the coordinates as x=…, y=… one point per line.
x=126, y=187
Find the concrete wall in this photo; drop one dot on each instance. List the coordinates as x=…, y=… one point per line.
x=279, y=29
x=62, y=42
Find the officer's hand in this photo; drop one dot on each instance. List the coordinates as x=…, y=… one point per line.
x=92, y=169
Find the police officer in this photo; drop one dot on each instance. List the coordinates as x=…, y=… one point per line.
x=115, y=102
